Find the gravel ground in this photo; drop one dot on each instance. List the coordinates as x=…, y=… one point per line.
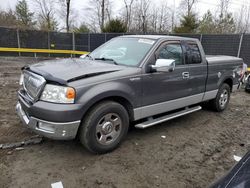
x=196, y=150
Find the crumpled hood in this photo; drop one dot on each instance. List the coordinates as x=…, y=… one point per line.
x=67, y=70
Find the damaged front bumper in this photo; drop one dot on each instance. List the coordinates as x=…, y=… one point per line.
x=53, y=130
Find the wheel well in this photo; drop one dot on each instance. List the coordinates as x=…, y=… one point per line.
x=124, y=102
x=229, y=81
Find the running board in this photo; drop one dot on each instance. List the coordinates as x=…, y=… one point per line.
x=152, y=122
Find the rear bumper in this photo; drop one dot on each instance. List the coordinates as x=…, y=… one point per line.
x=53, y=130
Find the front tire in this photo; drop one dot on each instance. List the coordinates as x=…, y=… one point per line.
x=104, y=127
x=221, y=101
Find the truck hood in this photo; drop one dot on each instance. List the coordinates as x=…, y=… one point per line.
x=63, y=71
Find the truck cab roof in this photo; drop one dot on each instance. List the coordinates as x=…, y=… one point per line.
x=157, y=37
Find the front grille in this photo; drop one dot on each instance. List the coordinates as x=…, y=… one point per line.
x=33, y=84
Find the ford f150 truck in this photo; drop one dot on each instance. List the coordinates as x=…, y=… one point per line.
x=136, y=80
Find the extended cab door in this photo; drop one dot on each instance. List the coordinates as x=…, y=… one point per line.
x=195, y=59
x=161, y=89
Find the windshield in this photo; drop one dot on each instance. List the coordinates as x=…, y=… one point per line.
x=123, y=51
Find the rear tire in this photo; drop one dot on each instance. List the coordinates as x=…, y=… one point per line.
x=221, y=101
x=104, y=127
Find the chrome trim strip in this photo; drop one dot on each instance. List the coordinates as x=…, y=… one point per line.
x=150, y=110
x=56, y=123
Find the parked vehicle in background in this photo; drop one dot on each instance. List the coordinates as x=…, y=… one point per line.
x=237, y=177
x=142, y=79
x=247, y=87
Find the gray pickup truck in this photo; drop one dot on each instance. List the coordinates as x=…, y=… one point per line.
x=130, y=80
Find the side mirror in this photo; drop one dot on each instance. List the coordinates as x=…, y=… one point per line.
x=164, y=65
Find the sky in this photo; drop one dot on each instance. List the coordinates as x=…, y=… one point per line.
x=201, y=7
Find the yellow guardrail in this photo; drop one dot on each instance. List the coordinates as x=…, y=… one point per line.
x=49, y=51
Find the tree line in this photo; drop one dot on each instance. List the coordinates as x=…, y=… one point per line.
x=135, y=16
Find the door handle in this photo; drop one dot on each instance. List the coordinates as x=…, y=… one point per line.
x=185, y=75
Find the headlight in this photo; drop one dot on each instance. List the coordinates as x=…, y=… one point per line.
x=21, y=80
x=58, y=94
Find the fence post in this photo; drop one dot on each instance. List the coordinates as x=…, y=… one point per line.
x=18, y=41
x=240, y=44
x=49, y=42
x=73, y=43
x=105, y=36
x=201, y=38
x=88, y=42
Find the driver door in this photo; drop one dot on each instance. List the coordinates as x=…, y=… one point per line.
x=162, y=89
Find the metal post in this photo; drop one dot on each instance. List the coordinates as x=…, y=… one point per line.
x=201, y=38
x=73, y=43
x=105, y=36
x=18, y=41
x=88, y=42
x=240, y=44
x=49, y=42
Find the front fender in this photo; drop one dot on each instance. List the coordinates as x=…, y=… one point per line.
x=99, y=92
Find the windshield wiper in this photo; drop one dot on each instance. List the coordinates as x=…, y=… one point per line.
x=90, y=57
x=107, y=59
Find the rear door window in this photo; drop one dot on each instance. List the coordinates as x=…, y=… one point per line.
x=193, y=55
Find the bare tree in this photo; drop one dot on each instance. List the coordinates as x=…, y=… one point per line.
x=94, y=14
x=173, y=24
x=46, y=14
x=99, y=12
x=223, y=7
x=243, y=19
x=153, y=21
x=247, y=20
x=103, y=13
x=128, y=7
x=141, y=16
x=67, y=17
x=67, y=14
x=225, y=22
x=159, y=20
x=108, y=11
x=144, y=13
x=189, y=4
x=164, y=15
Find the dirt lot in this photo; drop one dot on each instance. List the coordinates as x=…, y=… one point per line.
x=198, y=148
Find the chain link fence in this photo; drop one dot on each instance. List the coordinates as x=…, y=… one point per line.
x=233, y=44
